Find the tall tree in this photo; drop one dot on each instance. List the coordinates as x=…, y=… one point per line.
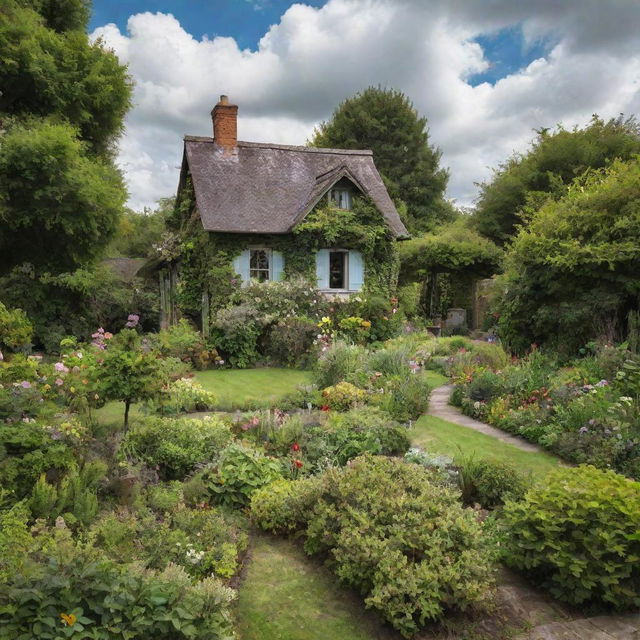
x=385, y=121
x=524, y=181
x=62, y=107
x=572, y=274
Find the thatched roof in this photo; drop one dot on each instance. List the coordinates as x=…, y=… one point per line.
x=267, y=188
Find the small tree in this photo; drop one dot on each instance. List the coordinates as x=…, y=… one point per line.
x=129, y=372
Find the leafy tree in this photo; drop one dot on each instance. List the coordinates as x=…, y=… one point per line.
x=129, y=372
x=46, y=73
x=572, y=273
x=138, y=232
x=62, y=106
x=524, y=181
x=385, y=121
x=58, y=207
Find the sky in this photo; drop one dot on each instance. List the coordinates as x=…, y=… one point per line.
x=486, y=73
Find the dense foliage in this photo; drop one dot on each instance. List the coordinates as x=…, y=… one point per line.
x=412, y=564
x=555, y=159
x=577, y=535
x=586, y=412
x=385, y=121
x=576, y=250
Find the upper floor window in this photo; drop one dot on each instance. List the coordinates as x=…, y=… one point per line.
x=340, y=197
x=260, y=264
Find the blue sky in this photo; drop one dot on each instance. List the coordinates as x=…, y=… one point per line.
x=245, y=20
x=248, y=20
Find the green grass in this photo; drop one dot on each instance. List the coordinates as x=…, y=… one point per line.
x=249, y=388
x=288, y=596
x=435, y=379
x=439, y=436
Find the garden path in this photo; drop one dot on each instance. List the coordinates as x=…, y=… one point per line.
x=440, y=408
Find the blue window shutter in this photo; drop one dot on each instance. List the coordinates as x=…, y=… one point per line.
x=322, y=268
x=356, y=271
x=277, y=266
x=241, y=265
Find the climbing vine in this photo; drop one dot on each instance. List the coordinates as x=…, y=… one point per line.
x=205, y=258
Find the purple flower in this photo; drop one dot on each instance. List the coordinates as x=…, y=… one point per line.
x=132, y=321
x=583, y=430
x=25, y=384
x=1, y=356
x=602, y=383
x=59, y=366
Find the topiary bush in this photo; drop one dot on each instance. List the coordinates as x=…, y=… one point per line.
x=176, y=446
x=577, y=535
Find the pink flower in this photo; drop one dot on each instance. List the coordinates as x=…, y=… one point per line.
x=59, y=366
x=59, y=382
x=25, y=384
x=1, y=356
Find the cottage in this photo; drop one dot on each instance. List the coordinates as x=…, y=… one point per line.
x=255, y=199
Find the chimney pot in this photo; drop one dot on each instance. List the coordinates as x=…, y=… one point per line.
x=225, y=123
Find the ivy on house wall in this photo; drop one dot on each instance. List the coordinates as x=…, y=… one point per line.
x=205, y=258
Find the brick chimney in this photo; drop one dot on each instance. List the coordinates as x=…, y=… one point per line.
x=225, y=123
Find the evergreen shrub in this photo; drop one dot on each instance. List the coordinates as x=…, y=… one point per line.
x=577, y=535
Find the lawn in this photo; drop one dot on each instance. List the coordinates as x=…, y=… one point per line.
x=435, y=379
x=250, y=388
x=287, y=596
x=439, y=436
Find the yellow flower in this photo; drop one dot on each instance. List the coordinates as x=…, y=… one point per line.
x=68, y=618
x=366, y=324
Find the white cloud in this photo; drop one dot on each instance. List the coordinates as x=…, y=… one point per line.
x=314, y=58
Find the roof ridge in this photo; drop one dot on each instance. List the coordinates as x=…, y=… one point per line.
x=287, y=147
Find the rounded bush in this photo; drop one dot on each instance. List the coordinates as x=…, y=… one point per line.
x=284, y=505
x=578, y=536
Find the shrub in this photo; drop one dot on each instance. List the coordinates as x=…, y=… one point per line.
x=76, y=591
x=239, y=473
x=27, y=450
x=74, y=497
x=184, y=394
x=577, y=535
x=184, y=342
x=236, y=332
x=392, y=361
x=364, y=430
x=340, y=362
x=176, y=445
x=284, y=505
x=16, y=331
x=489, y=482
x=343, y=396
x=401, y=540
x=202, y=541
x=404, y=398
x=291, y=340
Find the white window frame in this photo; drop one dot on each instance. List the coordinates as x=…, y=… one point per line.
x=336, y=194
x=269, y=254
x=345, y=280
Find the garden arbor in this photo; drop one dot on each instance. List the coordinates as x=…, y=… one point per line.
x=452, y=250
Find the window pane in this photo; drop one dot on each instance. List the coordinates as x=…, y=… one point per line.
x=259, y=264
x=337, y=270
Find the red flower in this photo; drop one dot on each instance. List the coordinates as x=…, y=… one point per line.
x=295, y=446
x=324, y=407
x=298, y=463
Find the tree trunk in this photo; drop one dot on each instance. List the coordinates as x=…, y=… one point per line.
x=127, y=404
